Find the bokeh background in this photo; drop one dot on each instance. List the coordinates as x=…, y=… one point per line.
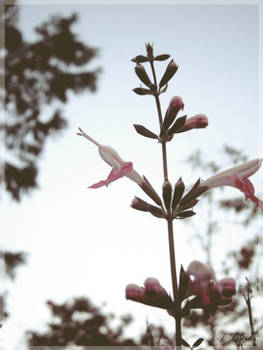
x=83, y=242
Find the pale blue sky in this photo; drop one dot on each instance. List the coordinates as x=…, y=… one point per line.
x=84, y=242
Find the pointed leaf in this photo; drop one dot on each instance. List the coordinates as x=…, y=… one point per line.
x=198, y=342
x=150, y=191
x=140, y=59
x=169, y=118
x=187, y=205
x=155, y=211
x=185, y=214
x=142, y=91
x=164, y=89
x=191, y=194
x=161, y=57
x=142, y=130
x=184, y=342
x=179, y=123
x=183, y=283
x=178, y=193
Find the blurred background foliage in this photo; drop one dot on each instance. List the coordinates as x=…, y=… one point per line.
x=42, y=74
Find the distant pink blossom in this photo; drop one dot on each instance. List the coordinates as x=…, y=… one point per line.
x=209, y=291
x=238, y=177
x=153, y=294
x=119, y=167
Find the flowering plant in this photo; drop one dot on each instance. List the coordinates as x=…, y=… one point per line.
x=197, y=287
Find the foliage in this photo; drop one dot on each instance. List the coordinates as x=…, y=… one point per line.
x=79, y=322
x=38, y=75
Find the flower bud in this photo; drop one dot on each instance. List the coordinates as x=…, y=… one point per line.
x=174, y=107
x=178, y=193
x=134, y=292
x=149, y=49
x=142, y=75
x=153, y=287
x=223, y=291
x=169, y=73
x=139, y=204
x=167, y=194
x=197, y=122
x=153, y=294
x=150, y=191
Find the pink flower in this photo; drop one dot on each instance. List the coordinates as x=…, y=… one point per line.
x=153, y=294
x=209, y=293
x=238, y=177
x=119, y=167
x=197, y=122
x=176, y=103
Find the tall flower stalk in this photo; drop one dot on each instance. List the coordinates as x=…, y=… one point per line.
x=169, y=219
x=197, y=287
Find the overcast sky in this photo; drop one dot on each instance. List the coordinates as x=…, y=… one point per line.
x=90, y=242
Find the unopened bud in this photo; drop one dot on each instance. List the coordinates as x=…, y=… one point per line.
x=199, y=121
x=178, y=193
x=174, y=107
x=167, y=194
x=150, y=191
x=149, y=49
x=139, y=204
x=169, y=73
x=142, y=75
x=153, y=287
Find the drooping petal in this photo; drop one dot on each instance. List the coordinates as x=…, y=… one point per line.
x=126, y=167
x=237, y=177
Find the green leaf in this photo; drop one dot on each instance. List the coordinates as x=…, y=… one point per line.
x=155, y=211
x=198, y=342
x=142, y=130
x=140, y=59
x=184, y=342
x=150, y=191
x=185, y=214
x=161, y=57
x=183, y=284
x=178, y=193
x=188, y=205
x=179, y=123
x=142, y=91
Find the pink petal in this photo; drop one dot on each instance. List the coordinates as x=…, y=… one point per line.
x=248, y=189
x=249, y=185
x=126, y=167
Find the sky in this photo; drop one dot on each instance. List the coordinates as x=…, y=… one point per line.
x=83, y=242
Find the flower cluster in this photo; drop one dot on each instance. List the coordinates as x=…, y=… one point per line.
x=203, y=292
x=198, y=286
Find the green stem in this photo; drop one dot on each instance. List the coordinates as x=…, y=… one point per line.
x=248, y=301
x=178, y=330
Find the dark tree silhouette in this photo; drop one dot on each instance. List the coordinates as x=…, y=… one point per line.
x=37, y=75
x=79, y=322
